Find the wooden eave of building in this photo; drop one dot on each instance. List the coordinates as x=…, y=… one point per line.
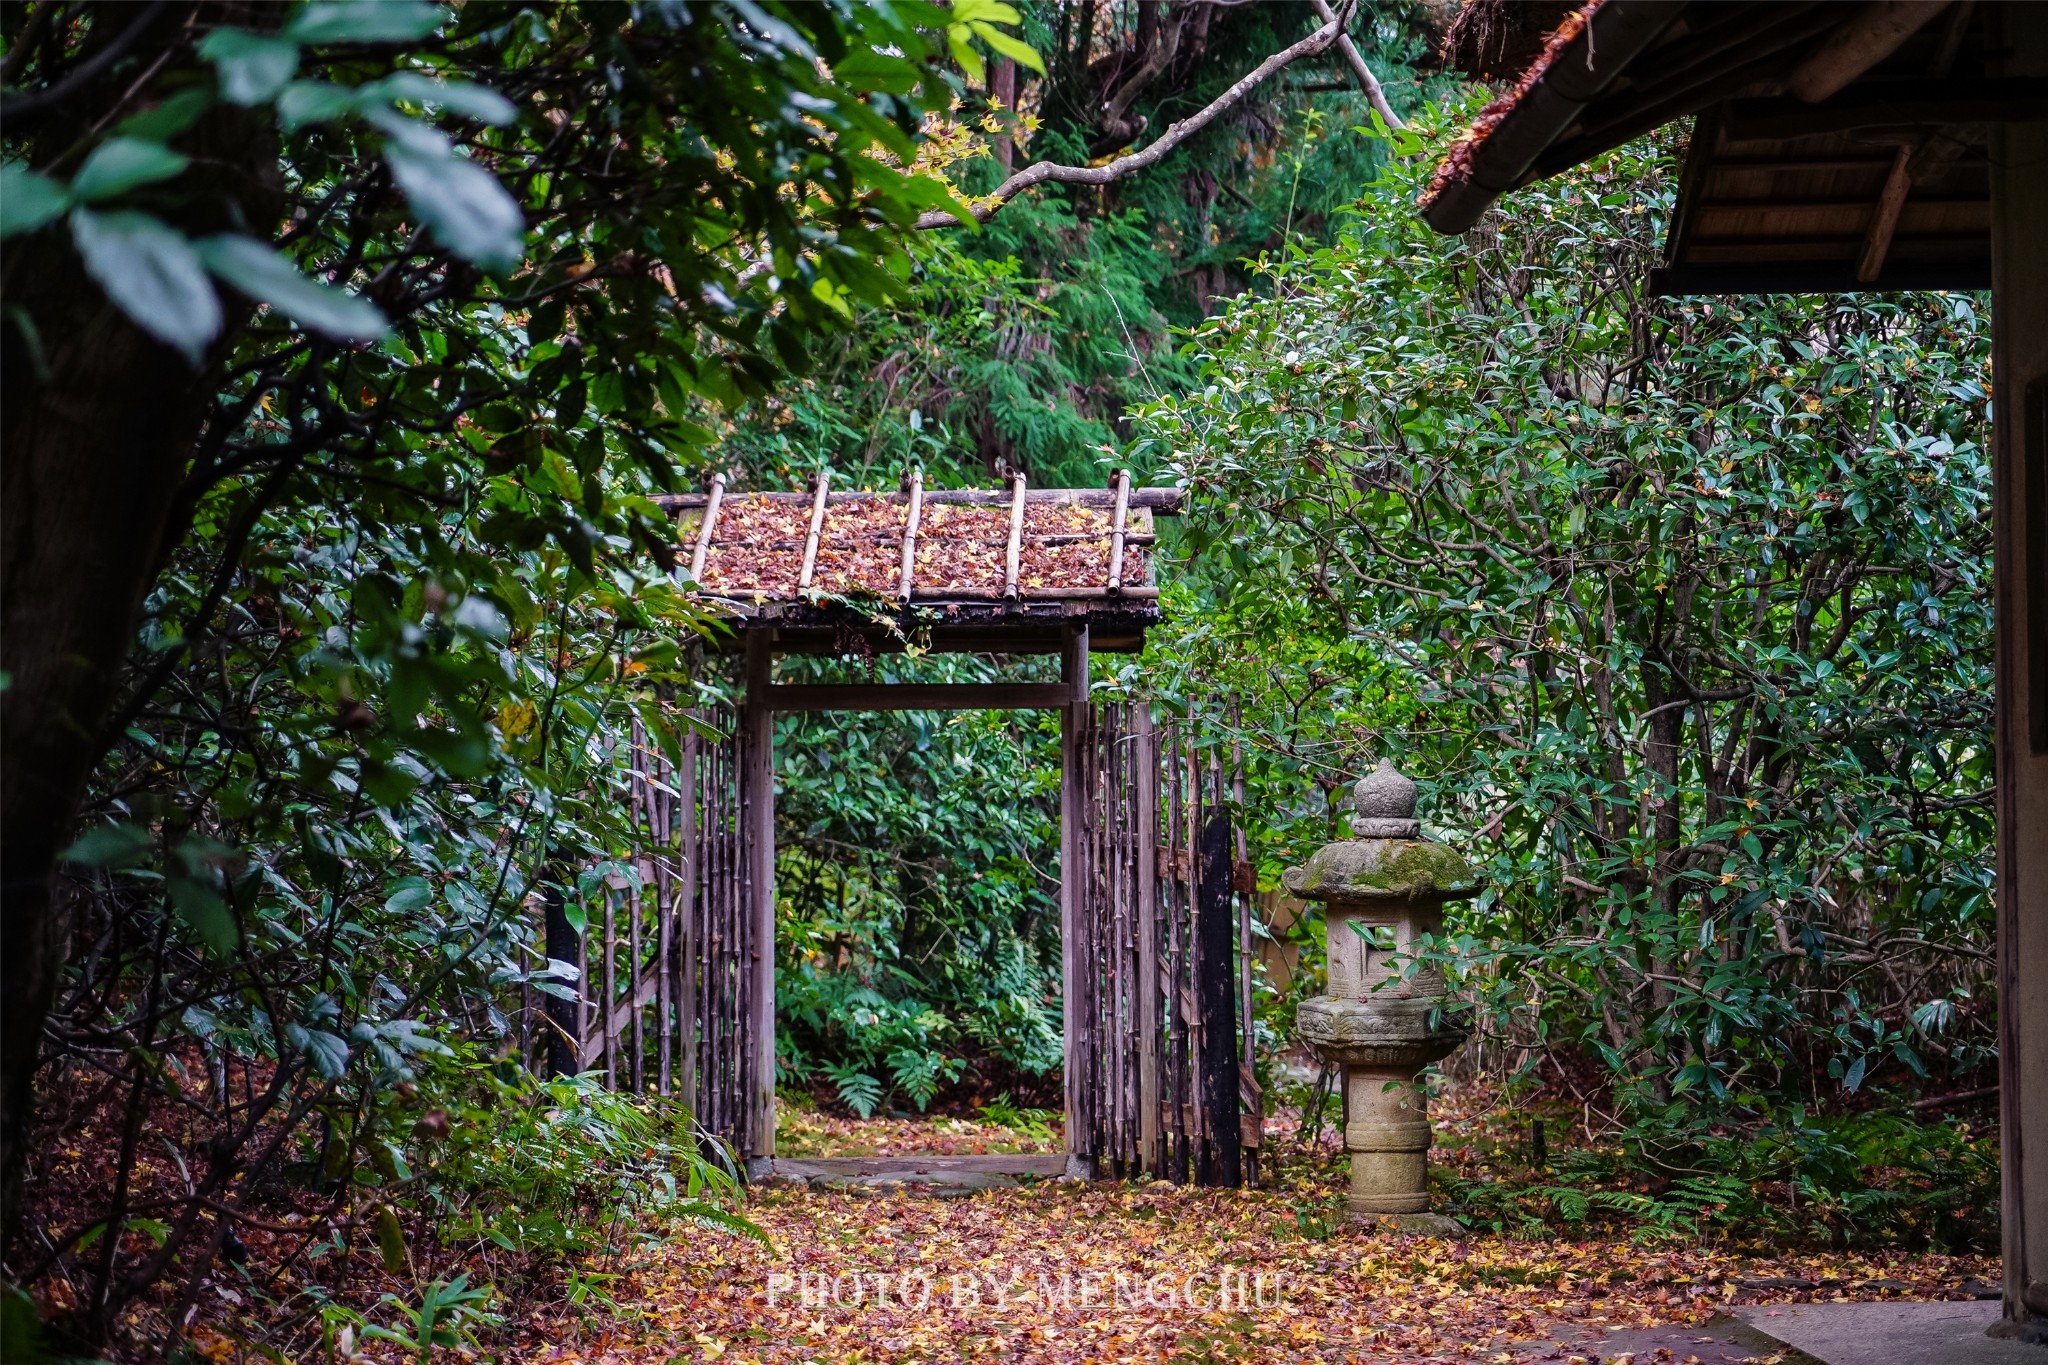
x=811, y=607
x=1835, y=147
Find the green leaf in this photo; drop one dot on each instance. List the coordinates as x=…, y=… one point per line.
x=462, y=98
x=265, y=275
x=164, y=121
x=983, y=11
x=205, y=912
x=109, y=846
x=364, y=21
x=152, y=274
x=28, y=199
x=306, y=102
x=252, y=67
x=409, y=894
x=469, y=211
x=1016, y=49
x=121, y=164
x=958, y=39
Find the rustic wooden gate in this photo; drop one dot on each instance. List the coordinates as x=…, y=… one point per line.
x=668, y=957
x=1160, y=1060
x=1157, y=941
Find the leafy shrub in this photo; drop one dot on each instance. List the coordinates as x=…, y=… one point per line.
x=562, y=1168
x=1869, y=1179
x=1674, y=607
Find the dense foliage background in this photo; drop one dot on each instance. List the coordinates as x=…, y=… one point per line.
x=1678, y=608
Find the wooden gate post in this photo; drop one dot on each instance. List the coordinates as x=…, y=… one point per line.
x=1216, y=997
x=1151, y=1153
x=1080, y=1043
x=758, y=804
x=565, y=1017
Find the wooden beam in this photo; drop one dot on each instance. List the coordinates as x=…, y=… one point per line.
x=1218, y=1092
x=916, y=696
x=1153, y=1154
x=1877, y=243
x=691, y=878
x=1814, y=277
x=1871, y=34
x=1891, y=104
x=1165, y=502
x=757, y=798
x=2019, y=518
x=1073, y=868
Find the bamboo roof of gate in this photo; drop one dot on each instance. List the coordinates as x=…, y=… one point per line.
x=1000, y=564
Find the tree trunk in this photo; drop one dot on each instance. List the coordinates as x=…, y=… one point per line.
x=96, y=438
x=1002, y=88
x=90, y=461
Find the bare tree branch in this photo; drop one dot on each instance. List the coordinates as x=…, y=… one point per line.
x=1366, y=80
x=1039, y=172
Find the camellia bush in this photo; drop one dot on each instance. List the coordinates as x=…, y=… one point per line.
x=1678, y=608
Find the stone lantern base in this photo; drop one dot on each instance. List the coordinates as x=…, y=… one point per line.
x=1382, y=1043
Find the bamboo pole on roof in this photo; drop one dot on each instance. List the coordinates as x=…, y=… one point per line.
x=913, y=483
x=1122, y=485
x=705, y=530
x=803, y=580
x=1011, y=554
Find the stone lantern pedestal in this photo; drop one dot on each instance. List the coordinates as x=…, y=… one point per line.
x=1379, y=893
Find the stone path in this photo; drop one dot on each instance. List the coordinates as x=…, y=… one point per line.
x=938, y=1176
x=1891, y=1333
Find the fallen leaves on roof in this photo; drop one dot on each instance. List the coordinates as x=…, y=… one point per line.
x=757, y=547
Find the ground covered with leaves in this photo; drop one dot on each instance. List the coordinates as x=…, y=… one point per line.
x=1059, y=1271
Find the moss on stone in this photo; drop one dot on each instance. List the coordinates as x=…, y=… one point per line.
x=1383, y=869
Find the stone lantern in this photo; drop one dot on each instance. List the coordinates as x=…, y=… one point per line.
x=1380, y=892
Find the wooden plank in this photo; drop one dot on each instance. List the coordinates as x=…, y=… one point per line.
x=1073, y=716
x=708, y=528
x=606, y=1017
x=914, y=487
x=758, y=802
x=1877, y=244
x=1176, y=974
x=854, y=1167
x=564, y=1018
x=1217, y=1094
x=619, y=1018
x=1146, y=759
x=916, y=696
x=937, y=595
x=1166, y=502
x=665, y=891
x=689, y=875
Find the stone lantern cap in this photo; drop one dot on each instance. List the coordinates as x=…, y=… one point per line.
x=1390, y=860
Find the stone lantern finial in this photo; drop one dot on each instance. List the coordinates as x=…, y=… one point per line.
x=1383, y=804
